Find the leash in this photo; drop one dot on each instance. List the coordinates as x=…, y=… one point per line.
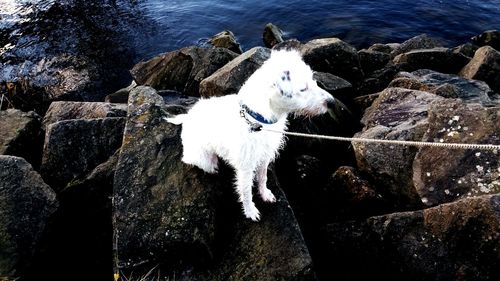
x=492, y=147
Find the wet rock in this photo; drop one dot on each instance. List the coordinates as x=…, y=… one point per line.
x=438, y=59
x=67, y=110
x=485, y=66
x=334, y=56
x=162, y=207
x=181, y=70
x=227, y=40
x=372, y=60
x=229, y=78
x=456, y=241
x=397, y=114
x=335, y=85
x=466, y=49
x=489, y=37
x=272, y=35
x=446, y=85
x=20, y=135
x=75, y=147
x=422, y=41
x=26, y=204
x=443, y=175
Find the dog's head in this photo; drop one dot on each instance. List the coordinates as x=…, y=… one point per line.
x=294, y=89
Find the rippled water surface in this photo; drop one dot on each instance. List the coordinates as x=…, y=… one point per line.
x=169, y=24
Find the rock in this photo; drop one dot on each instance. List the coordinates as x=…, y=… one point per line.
x=466, y=49
x=438, y=59
x=162, y=208
x=446, y=85
x=181, y=70
x=229, y=78
x=80, y=237
x=363, y=102
x=120, y=96
x=20, y=135
x=290, y=44
x=456, y=241
x=272, y=35
x=26, y=204
x=334, y=56
x=75, y=147
x=68, y=110
x=372, y=60
x=353, y=196
x=384, y=48
x=335, y=85
x=227, y=40
x=422, y=41
x=489, y=37
x=397, y=114
x=443, y=175
x=485, y=66
x=377, y=80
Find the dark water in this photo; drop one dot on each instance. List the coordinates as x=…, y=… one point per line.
x=162, y=25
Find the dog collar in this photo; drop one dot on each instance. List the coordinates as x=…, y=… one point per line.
x=259, y=118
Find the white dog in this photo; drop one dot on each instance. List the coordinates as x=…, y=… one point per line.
x=229, y=127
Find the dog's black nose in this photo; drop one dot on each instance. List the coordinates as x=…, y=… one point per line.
x=331, y=102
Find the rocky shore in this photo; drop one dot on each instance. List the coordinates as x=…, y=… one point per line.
x=94, y=185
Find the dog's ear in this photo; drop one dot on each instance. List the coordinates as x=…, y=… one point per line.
x=284, y=84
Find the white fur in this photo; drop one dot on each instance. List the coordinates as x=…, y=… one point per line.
x=214, y=128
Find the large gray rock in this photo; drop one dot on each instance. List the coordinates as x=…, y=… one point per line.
x=439, y=59
x=181, y=70
x=422, y=41
x=485, y=66
x=334, y=56
x=227, y=40
x=489, y=37
x=162, y=207
x=456, y=241
x=230, y=78
x=26, y=204
x=68, y=110
x=446, y=85
x=272, y=35
x=335, y=85
x=75, y=147
x=21, y=135
x=443, y=175
x=397, y=114
x=371, y=60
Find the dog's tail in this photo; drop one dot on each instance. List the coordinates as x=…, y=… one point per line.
x=177, y=120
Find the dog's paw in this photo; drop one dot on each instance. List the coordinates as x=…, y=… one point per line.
x=267, y=196
x=251, y=212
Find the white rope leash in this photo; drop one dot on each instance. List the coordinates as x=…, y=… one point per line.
x=395, y=142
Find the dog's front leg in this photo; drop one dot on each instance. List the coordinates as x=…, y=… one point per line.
x=265, y=193
x=244, y=182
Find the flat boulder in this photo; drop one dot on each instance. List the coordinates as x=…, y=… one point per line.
x=181, y=70
x=485, y=66
x=75, y=147
x=229, y=78
x=454, y=241
x=438, y=59
x=70, y=110
x=444, y=175
x=21, y=135
x=446, y=85
x=26, y=205
x=334, y=56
